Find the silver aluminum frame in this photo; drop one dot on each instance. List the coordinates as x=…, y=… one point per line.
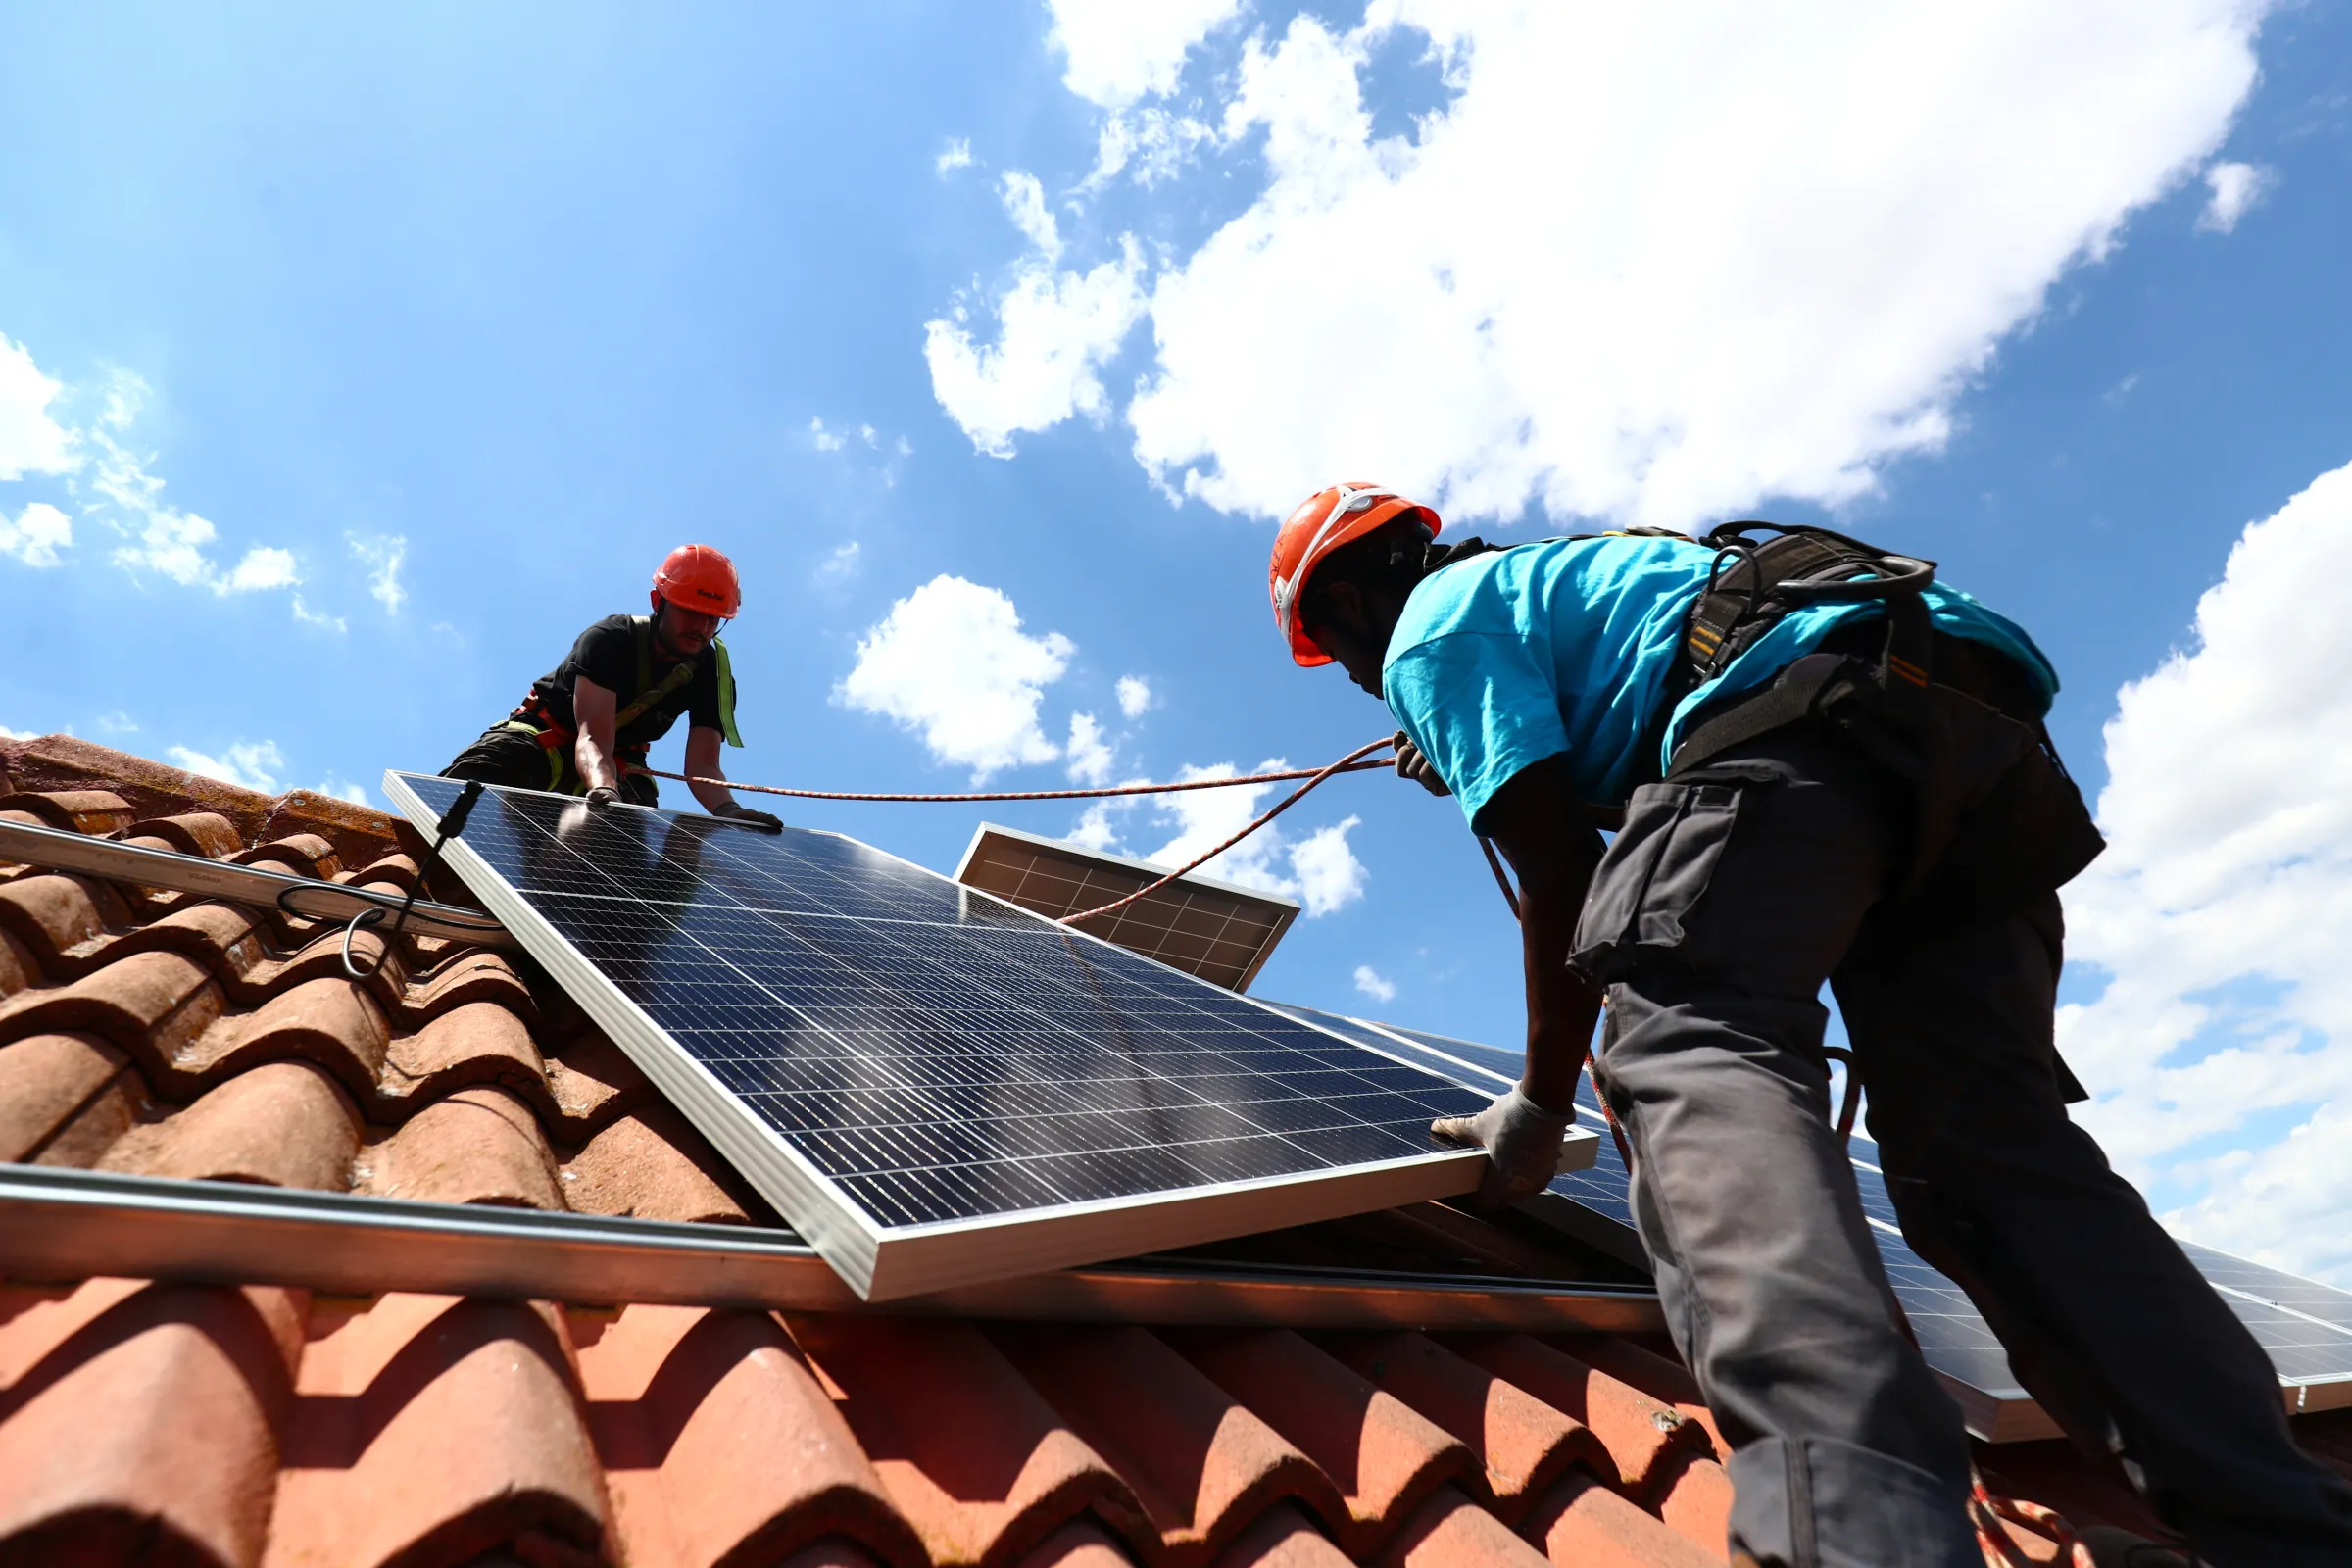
x=885, y=1264
x=142, y=865
x=65, y=1226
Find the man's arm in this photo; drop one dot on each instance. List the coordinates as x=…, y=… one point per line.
x=592, y=711
x=1541, y=830
x=702, y=761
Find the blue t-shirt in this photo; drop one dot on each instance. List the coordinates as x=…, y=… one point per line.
x=1563, y=647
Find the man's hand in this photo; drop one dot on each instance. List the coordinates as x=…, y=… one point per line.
x=602, y=796
x=749, y=818
x=1522, y=1141
x=1410, y=764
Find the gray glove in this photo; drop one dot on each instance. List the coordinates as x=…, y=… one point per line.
x=1410, y=764
x=734, y=811
x=603, y=796
x=1522, y=1141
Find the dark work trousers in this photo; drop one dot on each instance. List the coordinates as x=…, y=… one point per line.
x=1728, y=899
x=518, y=762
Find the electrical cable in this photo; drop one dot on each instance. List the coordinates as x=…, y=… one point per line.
x=1099, y=793
x=452, y=823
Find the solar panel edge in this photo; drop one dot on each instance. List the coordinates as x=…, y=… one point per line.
x=908, y=1260
x=805, y=1195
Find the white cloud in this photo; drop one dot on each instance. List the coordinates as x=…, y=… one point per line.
x=957, y=154
x=823, y=439
x=1054, y=329
x=1323, y=873
x=1155, y=143
x=1369, y=981
x=39, y=532
x=1648, y=263
x=32, y=441
x=1135, y=696
x=1119, y=51
x=1095, y=829
x=314, y=618
x=250, y=764
x=383, y=555
x=7, y=734
x=840, y=565
x=2233, y=190
x=1090, y=755
x=161, y=538
x=951, y=662
x=2223, y=908
x=117, y=722
x=341, y=791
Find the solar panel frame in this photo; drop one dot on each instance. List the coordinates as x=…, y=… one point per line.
x=883, y=1260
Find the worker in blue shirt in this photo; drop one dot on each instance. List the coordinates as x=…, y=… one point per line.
x=1819, y=764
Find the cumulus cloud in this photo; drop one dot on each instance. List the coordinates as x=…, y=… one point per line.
x=2222, y=1045
x=341, y=790
x=1321, y=870
x=957, y=154
x=250, y=764
x=1151, y=145
x=1135, y=696
x=1054, y=329
x=32, y=441
x=1090, y=754
x=162, y=539
x=39, y=532
x=383, y=555
x=951, y=663
x=1117, y=51
x=2231, y=191
x=1369, y=981
x=1647, y=264
x=7, y=734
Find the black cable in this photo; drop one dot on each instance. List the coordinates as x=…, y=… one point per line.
x=452, y=823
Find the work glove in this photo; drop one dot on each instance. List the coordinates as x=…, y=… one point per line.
x=1522, y=1141
x=602, y=796
x=1410, y=764
x=735, y=811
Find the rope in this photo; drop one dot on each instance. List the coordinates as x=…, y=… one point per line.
x=1345, y=765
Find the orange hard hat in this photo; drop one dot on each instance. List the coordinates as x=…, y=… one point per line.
x=698, y=578
x=1318, y=526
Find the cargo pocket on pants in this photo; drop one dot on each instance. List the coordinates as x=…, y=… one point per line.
x=1650, y=882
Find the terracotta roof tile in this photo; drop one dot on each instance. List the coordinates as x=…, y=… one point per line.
x=1639, y=1433
x=45, y=1081
x=649, y=1166
x=1449, y=1531
x=284, y=1124
x=1282, y=1537
x=974, y=1458
x=178, y=1036
x=1202, y=1465
x=1522, y=1443
x=426, y=1430
x=1383, y=1455
x=1582, y=1524
x=720, y=1446
x=478, y=1145
x=147, y=1434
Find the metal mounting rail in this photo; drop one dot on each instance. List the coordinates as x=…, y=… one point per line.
x=58, y=850
x=64, y=1225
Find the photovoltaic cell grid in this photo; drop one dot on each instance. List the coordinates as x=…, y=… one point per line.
x=2303, y=1325
x=936, y=1056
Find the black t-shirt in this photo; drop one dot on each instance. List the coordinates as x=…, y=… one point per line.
x=608, y=653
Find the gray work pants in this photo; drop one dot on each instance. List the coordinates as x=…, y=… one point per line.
x=1728, y=899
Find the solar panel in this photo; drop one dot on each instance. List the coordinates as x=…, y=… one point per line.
x=934, y=1086
x=1218, y=930
x=2303, y=1325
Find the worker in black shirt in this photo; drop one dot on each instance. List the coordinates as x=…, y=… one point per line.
x=622, y=686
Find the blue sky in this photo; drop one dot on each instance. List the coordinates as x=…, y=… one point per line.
x=450, y=321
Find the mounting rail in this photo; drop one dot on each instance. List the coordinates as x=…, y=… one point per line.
x=67, y=1225
x=59, y=850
